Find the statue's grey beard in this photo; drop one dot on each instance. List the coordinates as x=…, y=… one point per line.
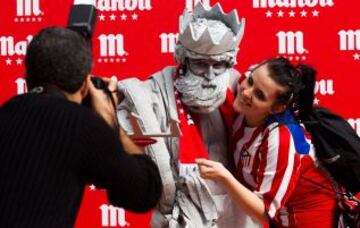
x=201, y=95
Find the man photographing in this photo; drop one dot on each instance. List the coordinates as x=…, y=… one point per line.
x=52, y=146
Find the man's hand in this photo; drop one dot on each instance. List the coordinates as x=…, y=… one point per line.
x=101, y=103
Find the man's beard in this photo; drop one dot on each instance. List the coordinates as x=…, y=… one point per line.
x=200, y=94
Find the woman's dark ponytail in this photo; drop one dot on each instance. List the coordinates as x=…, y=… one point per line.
x=307, y=77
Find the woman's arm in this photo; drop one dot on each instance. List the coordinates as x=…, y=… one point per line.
x=245, y=198
x=277, y=176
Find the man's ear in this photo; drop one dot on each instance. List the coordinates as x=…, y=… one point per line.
x=277, y=108
x=84, y=90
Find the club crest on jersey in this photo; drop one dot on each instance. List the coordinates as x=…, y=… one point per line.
x=245, y=156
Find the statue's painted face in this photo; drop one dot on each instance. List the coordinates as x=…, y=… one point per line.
x=206, y=68
x=204, y=84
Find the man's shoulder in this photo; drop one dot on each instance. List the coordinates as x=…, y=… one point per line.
x=156, y=82
x=34, y=100
x=54, y=107
x=167, y=71
x=161, y=77
x=59, y=104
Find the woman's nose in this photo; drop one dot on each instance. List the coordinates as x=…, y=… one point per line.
x=247, y=93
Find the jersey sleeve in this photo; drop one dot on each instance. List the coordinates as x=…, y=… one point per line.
x=279, y=169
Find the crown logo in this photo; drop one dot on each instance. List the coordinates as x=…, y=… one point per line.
x=205, y=42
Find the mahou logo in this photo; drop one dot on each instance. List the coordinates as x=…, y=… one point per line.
x=355, y=123
x=112, y=216
x=291, y=3
x=28, y=11
x=129, y=9
x=291, y=45
x=323, y=87
x=21, y=85
x=190, y=4
x=12, y=50
x=168, y=42
x=292, y=8
x=349, y=40
x=112, y=48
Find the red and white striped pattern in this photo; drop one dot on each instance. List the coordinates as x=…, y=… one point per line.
x=268, y=164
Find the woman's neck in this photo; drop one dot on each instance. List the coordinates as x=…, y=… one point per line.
x=251, y=121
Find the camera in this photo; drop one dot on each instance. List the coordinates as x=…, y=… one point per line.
x=99, y=83
x=82, y=18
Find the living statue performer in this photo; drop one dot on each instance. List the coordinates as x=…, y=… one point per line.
x=187, y=110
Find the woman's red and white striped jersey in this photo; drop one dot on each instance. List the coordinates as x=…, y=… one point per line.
x=268, y=164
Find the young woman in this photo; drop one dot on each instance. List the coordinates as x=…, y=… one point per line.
x=275, y=163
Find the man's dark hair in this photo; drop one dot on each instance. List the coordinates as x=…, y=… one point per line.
x=59, y=57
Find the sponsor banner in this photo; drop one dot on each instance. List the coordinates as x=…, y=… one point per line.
x=136, y=38
x=355, y=123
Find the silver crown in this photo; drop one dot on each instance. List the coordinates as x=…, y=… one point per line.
x=205, y=44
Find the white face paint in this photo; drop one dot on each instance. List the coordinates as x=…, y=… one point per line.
x=201, y=94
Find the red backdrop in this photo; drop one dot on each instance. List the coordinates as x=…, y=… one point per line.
x=137, y=37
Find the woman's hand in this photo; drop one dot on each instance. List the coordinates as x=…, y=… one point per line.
x=213, y=170
x=246, y=199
